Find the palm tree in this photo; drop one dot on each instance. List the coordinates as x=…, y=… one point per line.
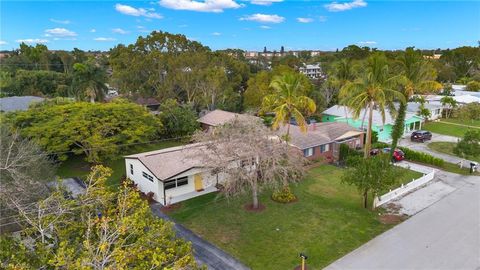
x=288, y=102
x=89, y=81
x=375, y=87
x=420, y=78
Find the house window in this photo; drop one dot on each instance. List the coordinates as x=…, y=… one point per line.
x=324, y=148
x=131, y=169
x=176, y=182
x=308, y=152
x=148, y=176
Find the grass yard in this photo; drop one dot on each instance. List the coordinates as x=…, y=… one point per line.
x=447, y=148
x=445, y=129
x=327, y=222
x=453, y=129
x=473, y=123
x=77, y=166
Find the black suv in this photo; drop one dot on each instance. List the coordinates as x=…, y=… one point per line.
x=421, y=136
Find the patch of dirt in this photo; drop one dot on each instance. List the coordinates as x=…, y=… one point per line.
x=393, y=208
x=299, y=267
x=391, y=219
x=170, y=208
x=249, y=207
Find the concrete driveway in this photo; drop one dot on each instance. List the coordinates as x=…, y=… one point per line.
x=423, y=147
x=445, y=235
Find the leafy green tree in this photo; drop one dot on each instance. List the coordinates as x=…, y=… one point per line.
x=178, y=120
x=96, y=130
x=420, y=78
x=287, y=102
x=375, y=87
x=469, y=112
x=103, y=228
x=89, y=82
x=469, y=145
x=39, y=83
x=371, y=175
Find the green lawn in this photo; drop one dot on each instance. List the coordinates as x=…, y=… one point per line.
x=447, y=148
x=474, y=123
x=445, y=129
x=327, y=222
x=77, y=166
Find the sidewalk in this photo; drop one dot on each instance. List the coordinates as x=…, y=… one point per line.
x=204, y=252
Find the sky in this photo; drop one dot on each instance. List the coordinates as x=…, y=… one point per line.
x=244, y=24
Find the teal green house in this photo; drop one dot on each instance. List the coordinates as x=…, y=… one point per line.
x=343, y=114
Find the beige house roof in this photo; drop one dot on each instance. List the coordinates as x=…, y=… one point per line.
x=319, y=134
x=220, y=117
x=167, y=163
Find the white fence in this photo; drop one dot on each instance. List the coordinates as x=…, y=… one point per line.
x=404, y=189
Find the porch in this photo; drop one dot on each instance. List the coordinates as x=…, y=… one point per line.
x=189, y=195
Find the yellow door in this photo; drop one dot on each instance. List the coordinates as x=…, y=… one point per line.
x=198, y=182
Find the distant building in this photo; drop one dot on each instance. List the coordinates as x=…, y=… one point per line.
x=436, y=56
x=219, y=117
x=10, y=104
x=383, y=127
x=150, y=103
x=312, y=71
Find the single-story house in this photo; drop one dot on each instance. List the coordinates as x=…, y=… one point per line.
x=11, y=104
x=434, y=109
x=150, y=103
x=173, y=174
x=462, y=98
x=217, y=118
x=343, y=114
x=322, y=140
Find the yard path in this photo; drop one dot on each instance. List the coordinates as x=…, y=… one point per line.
x=444, y=235
x=205, y=253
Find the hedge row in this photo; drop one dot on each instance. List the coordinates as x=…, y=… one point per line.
x=415, y=155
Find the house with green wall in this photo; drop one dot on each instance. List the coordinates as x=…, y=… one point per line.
x=343, y=114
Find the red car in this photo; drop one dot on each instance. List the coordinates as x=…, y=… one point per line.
x=397, y=155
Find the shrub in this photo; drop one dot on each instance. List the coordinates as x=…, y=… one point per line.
x=473, y=86
x=421, y=157
x=346, y=151
x=284, y=195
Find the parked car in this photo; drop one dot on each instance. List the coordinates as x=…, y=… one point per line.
x=397, y=155
x=421, y=136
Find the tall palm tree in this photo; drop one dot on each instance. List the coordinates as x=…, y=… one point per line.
x=375, y=87
x=89, y=81
x=420, y=78
x=288, y=102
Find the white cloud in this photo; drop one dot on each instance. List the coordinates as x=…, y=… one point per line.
x=59, y=32
x=104, y=39
x=32, y=40
x=203, y=6
x=367, y=42
x=119, y=31
x=305, y=20
x=265, y=27
x=264, y=18
x=93, y=30
x=3, y=42
x=60, y=21
x=137, y=12
x=335, y=6
x=322, y=18
x=216, y=34
x=265, y=2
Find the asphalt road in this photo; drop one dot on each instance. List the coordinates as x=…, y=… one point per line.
x=445, y=235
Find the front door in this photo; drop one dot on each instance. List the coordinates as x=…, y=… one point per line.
x=198, y=182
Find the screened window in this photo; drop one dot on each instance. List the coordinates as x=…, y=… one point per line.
x=131, y=169
x=324, y=148
x=308, y=152
x=176, y=182
x=148, y=176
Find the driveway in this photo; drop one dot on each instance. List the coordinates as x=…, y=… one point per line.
x=204, y=252
x=444, y=235
x=423, y=147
